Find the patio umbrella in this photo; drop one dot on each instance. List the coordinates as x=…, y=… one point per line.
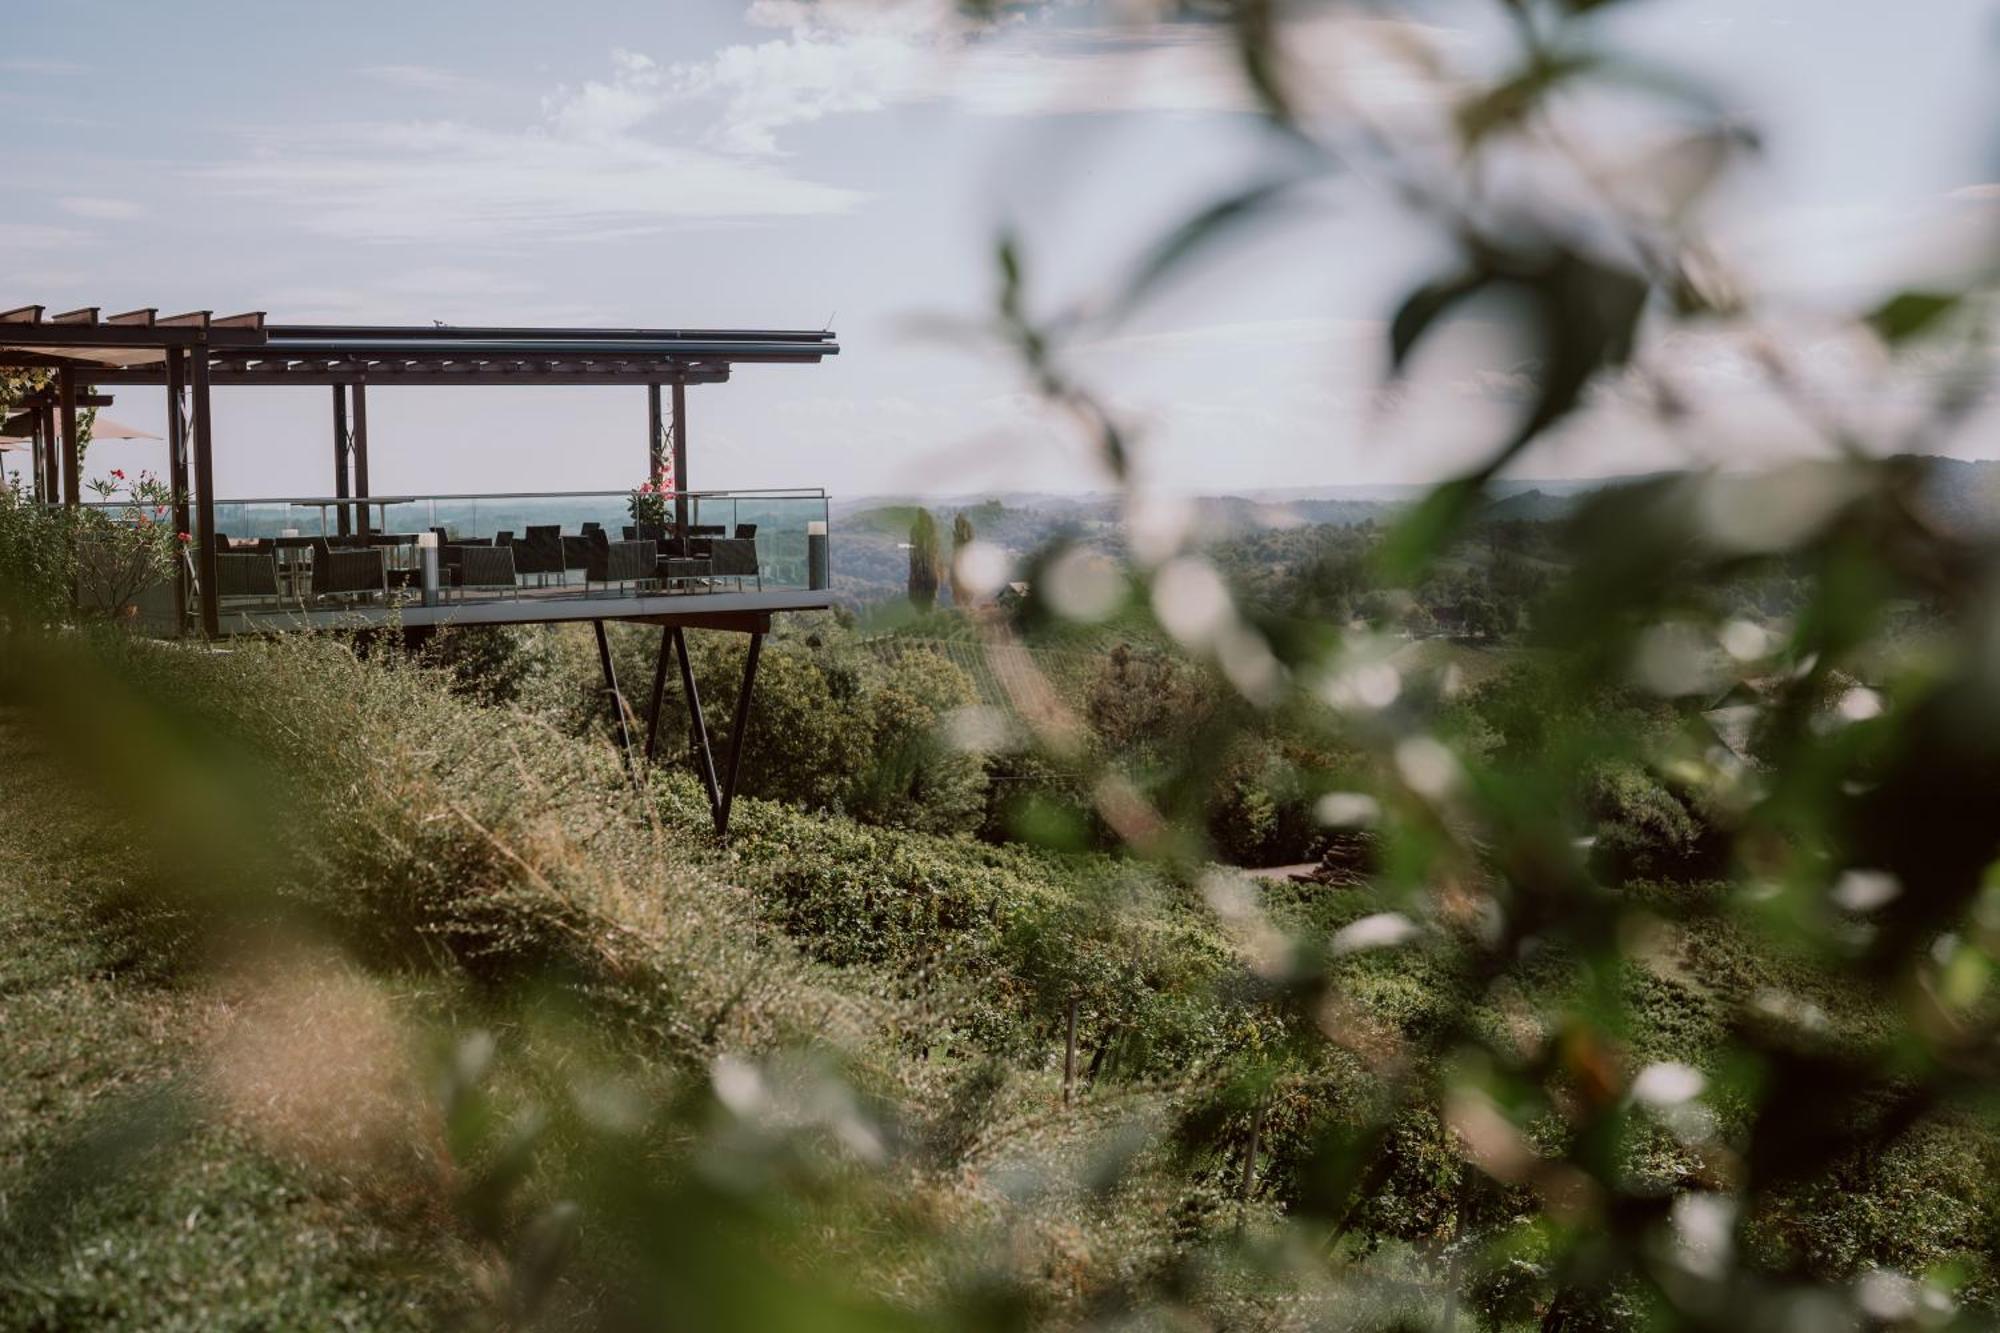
x=104, y=428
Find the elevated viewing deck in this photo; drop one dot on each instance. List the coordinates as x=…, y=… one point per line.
x=319, y=562
x=711, y=560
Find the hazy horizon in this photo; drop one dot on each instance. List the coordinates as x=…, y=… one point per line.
x=770, y=163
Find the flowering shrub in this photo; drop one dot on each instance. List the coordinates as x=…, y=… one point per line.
x=127, y=545
x=648, y=502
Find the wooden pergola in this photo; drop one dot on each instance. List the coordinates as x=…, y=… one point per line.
x=189, y=355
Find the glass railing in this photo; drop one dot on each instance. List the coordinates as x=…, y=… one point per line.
x=788, y=527
x=780, y=520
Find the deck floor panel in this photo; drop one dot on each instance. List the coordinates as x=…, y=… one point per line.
x=531, y=606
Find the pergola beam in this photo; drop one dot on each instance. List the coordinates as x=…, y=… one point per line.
x=318, y=376
x=160, y=334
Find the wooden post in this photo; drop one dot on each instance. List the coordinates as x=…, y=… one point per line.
x=38, y=457
x=51, y=475
x=341, y=451
x=71, y=463
x=177, y=476
x=680, y=459
x=204, y=493
x=361, y=455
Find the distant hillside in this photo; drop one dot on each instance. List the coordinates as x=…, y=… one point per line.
x=870, y=564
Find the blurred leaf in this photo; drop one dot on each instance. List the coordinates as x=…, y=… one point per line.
x=1423, y=308
x=1256, y=28
x=1907, y=314
x=1219, y=221
x=1007, y=254
x=1509, y=103
x=1425, y=530
x=1589, y=315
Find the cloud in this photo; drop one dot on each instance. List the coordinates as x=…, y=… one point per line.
x=444, y=180
x=422, y=78
x=36, y=236
x=847, y=56
x=99, y=208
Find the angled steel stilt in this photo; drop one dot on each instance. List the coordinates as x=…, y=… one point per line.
x=659, y=691
x=617, y=698
x=737, y=726
x=704, y=757
x=721, y=789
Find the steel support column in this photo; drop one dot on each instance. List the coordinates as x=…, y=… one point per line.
x=655, y=446
x=618, y=709
x=738, y=725
x=721, y=792
x=361, y=456
x=680, y=461
x=204, y=492
x=697, y=724
x=659, y=690
x=342, y=449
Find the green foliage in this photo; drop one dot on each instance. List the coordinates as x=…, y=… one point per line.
x=925, y=561
x=36, y=563
x=961, y=538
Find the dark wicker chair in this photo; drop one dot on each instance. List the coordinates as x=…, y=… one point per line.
x=619, y=562
x=735, y=557
x=349, y=571
x=576, y=554
x=490, y=567
x=540, y=553
x=504, y=537
x=246, y=574
x=746, y=532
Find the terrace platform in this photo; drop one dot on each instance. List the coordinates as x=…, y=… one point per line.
x=534, y=606
x=358, y=560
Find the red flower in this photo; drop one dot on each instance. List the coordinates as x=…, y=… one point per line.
x=184, y=537
x=118, y=473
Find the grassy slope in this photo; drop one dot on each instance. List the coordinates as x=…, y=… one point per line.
x=484, y=835
x=123, y=1206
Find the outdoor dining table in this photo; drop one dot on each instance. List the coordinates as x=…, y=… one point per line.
x=380, y=503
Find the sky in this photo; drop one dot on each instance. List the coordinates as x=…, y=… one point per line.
x=783, y=163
